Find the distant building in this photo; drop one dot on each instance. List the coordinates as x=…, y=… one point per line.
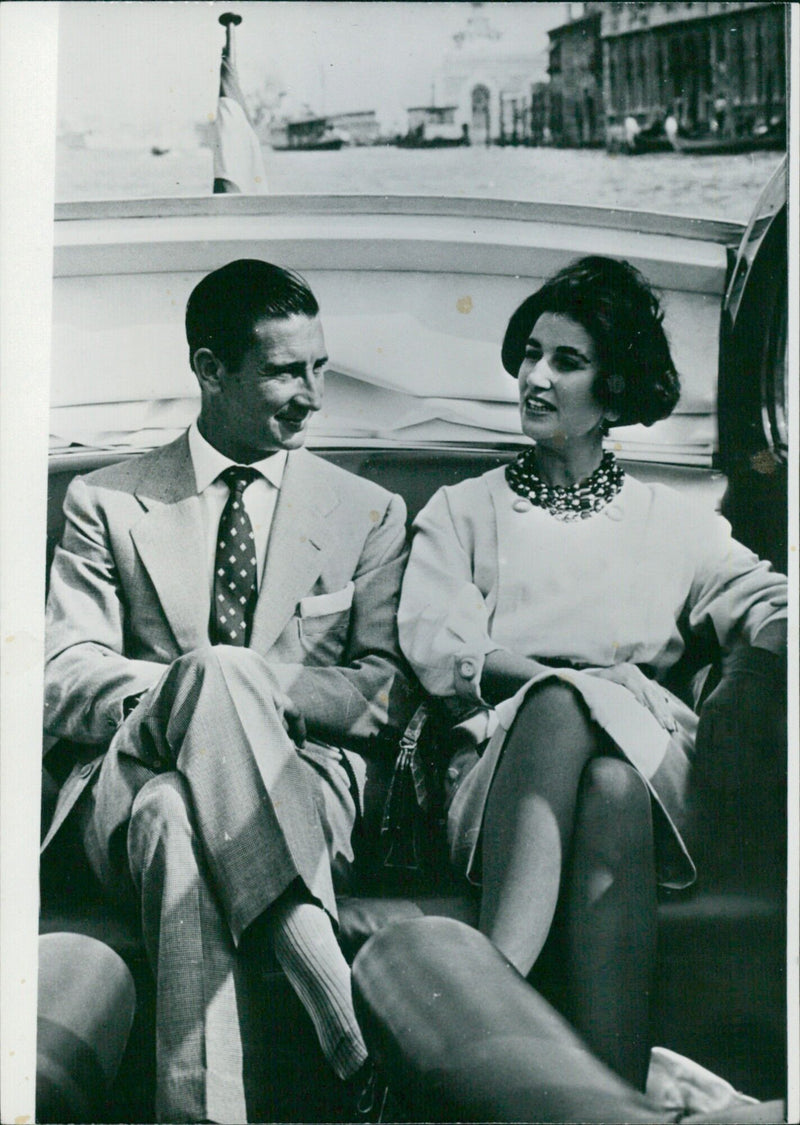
x=575, y=68
x=489, y=82
x=539, y=131
x=718, y=68
x=361, y=127
x=428, y=123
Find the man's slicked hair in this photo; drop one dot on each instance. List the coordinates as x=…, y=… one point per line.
x=224, y=308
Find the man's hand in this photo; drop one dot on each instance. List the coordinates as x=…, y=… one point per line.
x=736, y=831
x=747, y=708
x=293, y=721
x=647, y=692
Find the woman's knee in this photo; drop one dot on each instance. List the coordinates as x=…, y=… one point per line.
x=553, y=721
x=554, y=696
x=614, y=782
x=614, y=804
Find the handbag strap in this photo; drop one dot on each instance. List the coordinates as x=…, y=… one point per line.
x=411, y=735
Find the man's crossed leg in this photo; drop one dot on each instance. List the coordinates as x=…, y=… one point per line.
x=209, y=814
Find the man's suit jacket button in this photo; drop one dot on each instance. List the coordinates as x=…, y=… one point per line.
x=86, y=770
x=467, y=668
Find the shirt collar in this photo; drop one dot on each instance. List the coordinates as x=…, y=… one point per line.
x=208, y=462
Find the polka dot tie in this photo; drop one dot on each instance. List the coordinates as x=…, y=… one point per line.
x=235, y=564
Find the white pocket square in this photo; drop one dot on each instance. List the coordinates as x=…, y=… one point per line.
x=318, y=605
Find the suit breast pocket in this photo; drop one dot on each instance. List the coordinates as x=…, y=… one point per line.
x=324, y=620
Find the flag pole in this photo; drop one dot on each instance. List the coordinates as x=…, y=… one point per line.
x=229, y=21
x=238, y=162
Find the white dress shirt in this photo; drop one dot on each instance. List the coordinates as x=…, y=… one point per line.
x=259, y=498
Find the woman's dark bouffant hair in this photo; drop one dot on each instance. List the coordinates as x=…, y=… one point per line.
x=616, y=306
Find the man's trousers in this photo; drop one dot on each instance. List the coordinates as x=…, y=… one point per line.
x=206, y=812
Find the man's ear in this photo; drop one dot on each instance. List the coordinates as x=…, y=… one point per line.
x=208, y=369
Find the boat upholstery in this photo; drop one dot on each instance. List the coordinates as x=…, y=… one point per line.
x=720, y=994
x=86, y=1005
x=500, y=1053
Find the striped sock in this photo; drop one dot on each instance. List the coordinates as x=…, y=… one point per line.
x=309, y=954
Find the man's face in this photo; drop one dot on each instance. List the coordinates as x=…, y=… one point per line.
x=266, y=404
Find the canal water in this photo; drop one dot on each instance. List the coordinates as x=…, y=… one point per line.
x=720, y=187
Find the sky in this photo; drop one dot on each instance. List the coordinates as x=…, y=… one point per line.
x=153, y=66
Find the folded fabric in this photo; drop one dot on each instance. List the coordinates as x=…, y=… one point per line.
x=682, y=1087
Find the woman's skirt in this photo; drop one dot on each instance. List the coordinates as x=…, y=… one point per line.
x=660, y=756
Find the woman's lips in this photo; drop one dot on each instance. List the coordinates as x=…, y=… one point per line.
x=538, y=406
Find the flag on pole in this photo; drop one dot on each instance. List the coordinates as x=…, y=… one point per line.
x=238, y=160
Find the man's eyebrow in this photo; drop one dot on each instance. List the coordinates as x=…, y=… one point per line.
x=291, y=365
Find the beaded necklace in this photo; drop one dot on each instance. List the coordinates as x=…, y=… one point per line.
x=578, y=501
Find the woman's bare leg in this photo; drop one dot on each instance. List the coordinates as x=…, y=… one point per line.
x=529, y=817
x=609, y=917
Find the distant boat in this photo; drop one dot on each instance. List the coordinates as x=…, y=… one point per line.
x=433, y=126
x=157, y=150
x=324, y=144
x=772, y=136
x=414, y=140
x=308, y=134
x=654, y=138
x=727, y=146
x=650, y=139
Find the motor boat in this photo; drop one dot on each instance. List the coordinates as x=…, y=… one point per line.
x=415, y=293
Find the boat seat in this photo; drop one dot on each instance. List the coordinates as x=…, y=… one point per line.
x=85, y=1011
x=714, y=1001
x=460, y=1036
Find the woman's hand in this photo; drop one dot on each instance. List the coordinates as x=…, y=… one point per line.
x=504, y=673
x=647, y=692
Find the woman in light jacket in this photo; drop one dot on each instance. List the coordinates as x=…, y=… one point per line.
x=546, y=603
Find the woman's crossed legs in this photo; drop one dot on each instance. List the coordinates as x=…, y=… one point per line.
x=567, y=826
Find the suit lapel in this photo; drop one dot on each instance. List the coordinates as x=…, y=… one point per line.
x=170, y=540
x=298, y=539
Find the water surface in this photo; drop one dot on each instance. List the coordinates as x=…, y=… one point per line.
x=719, y=187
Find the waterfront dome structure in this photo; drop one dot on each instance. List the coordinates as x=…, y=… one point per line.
x=489, y=79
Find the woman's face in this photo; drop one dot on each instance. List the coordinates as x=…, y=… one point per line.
x=557, y=405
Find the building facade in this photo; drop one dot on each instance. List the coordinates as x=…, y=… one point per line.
x=539, y=131
x=717, y=68
x=575, y=68
x=489, y=81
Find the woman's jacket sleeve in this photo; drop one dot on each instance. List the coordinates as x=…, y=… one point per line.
x=444, y=617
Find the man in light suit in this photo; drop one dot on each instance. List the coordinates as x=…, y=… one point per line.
x=221, y=628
